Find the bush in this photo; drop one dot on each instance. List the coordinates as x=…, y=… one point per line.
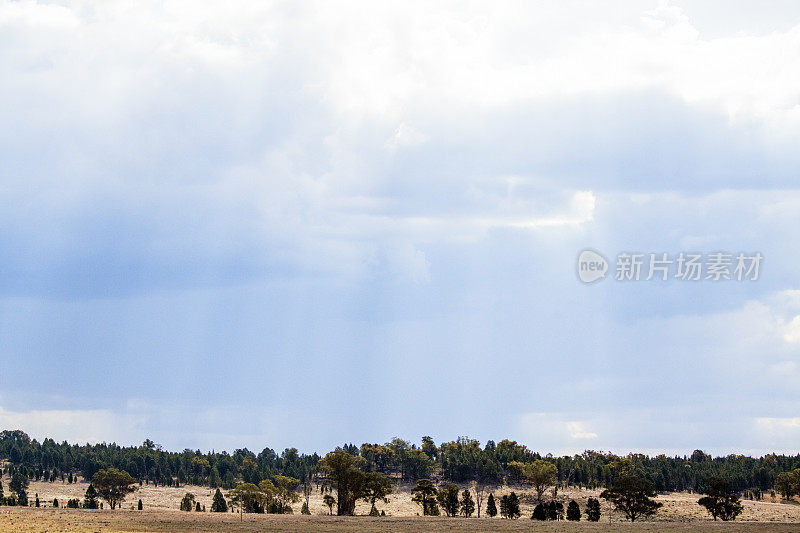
x=539, y=512
x=187, y=502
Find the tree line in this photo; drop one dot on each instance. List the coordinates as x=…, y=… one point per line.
x=368, y=474
x=461, y=461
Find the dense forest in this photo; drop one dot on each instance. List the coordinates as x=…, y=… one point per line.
x=459, y=461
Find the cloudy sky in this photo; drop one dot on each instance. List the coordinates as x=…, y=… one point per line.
x=298, y=224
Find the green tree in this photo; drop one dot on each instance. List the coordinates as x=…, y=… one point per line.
x=573, y=511
x=249, y=497
x=90, y=498
x=285, y=492
x=509, y=506
x=377, y=487
x=140, y=506
x=539, y=512
x=720, y=501
x=113, y=485
x=788, y=483
x=19, y=486
x=593, y=510
x=344, y=471
x=269, y=502
x=429, y=448
x=632, y=495
x=424, y=493
x=329, y=501
x=491, y=506
x=218, y=504
x=467, y=504
x=187, y=503
x=448, y=499
x=540, y=474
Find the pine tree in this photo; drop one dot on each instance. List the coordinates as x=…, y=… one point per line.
x=491, y=507
x=197, y=507
x=539, y=512
x=467, y=503
x=513, y=506
x=55, y=502
x=90, y=498
x=19, y=485
x=593, y=510
x=140, y=504
x=306, y=510
x=573, y=511
x=219, y=505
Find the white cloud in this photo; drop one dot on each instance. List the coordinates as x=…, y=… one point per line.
x=792, y=330
x=76, y=425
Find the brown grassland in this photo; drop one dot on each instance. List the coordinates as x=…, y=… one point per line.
x=680, y=513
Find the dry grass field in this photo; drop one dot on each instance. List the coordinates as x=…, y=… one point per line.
x=680, y=513
x=85, y=521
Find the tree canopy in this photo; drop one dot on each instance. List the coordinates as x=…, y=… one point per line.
x=632, y=495
x=113, y=485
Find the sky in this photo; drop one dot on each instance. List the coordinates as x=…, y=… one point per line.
x=240, y=224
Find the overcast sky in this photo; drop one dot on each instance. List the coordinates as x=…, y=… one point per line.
x=298, y=224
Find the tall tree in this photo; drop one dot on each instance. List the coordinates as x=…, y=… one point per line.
x=377, y=487
x=90, y=498
x=344, y=471
x=248, y=497
x=19, y=486
x=540, y=474
x=509, y=506
x=467, y=503
x=448, y=499
x=593, y=510
x=286, y=492
x=632, y=495
x=218, y=504
x=573, y=511
x=491, y=506
x=424, y=493
x=788, y=483
x=113, y=485
x=720, y=501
